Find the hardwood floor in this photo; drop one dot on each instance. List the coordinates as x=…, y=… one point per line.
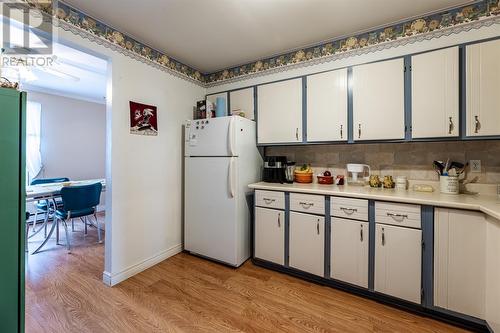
x=64, y=293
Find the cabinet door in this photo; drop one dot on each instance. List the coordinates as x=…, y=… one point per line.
x=398, y=262
x=270, y=235
x=435, y=88
x=460, y=261
x=493, y=273
x=483, y=85
x=327, y=106
x=378, y=101
x=307, y=243
x=280, y=112
x=243, y=100
x=349, y=251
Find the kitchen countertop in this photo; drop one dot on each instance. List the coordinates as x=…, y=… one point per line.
x=486, y=203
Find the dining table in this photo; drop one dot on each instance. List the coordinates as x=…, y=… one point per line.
x=50, y=192
x=53, y=190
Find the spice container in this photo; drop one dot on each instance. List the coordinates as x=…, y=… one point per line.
x=401, y=183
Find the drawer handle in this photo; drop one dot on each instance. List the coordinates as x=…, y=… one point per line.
x=297, y=134
x=306, y=205
x=341, y=131
x=477, y=124
x=348, y=211
x=268, y=201
x=451, y=126
x=359, y=131
x=397, y=217
x=361, y=233
x=383, y=237
x=317, y=227
x=279, y=220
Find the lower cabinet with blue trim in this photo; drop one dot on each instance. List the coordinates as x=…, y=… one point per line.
x=423, y=259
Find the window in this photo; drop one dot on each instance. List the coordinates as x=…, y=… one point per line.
x=33, y=140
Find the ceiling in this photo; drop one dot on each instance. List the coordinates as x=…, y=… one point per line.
x=212, y=35
x=74, y=74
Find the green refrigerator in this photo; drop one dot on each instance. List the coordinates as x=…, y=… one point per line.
x=12, y=210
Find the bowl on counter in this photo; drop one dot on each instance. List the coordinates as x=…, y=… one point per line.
x=325, y=180
x=305, y=178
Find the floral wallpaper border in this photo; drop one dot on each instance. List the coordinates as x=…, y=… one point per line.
x=476, y=15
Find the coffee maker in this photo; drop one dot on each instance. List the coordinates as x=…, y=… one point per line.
x=275, y=169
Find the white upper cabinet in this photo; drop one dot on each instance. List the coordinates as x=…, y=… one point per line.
x=483, y=88
x=327, y=106
x=242, y=100
x=378, y=101
x=279, y=112
x=435, y=94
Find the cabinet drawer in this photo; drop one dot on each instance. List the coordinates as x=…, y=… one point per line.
x=356, y=209
x=270, y=199
x=398, y=214
x=307, y=203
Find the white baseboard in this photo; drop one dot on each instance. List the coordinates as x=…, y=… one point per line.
x=113, y=279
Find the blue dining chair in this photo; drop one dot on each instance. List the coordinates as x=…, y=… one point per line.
x=44, y=206
x=77, y=202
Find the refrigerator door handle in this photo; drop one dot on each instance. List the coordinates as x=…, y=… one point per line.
x=231, y=177
x=231, y=136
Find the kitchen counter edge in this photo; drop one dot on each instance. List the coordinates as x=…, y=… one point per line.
x=488, y=204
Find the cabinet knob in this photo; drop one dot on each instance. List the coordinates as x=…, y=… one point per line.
x=477, y=124
x=306, y=205
x=348, y=211
x=397, y=217
x=268, y=201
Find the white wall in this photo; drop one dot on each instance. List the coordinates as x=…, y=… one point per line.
x=73, y=137
x=453, y=39
x=143, y=174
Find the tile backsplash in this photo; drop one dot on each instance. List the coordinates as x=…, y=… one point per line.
x=411, y=159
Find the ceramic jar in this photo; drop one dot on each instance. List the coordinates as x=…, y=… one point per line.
x=388, y=182
x=375, y=181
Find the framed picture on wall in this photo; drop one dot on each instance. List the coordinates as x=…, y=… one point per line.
x=143, y=119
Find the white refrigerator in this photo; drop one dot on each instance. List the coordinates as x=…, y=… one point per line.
x=221, y=159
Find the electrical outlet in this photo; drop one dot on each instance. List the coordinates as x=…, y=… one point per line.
x=475, y=166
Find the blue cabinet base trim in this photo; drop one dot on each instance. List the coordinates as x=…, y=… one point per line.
x=449, y=317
